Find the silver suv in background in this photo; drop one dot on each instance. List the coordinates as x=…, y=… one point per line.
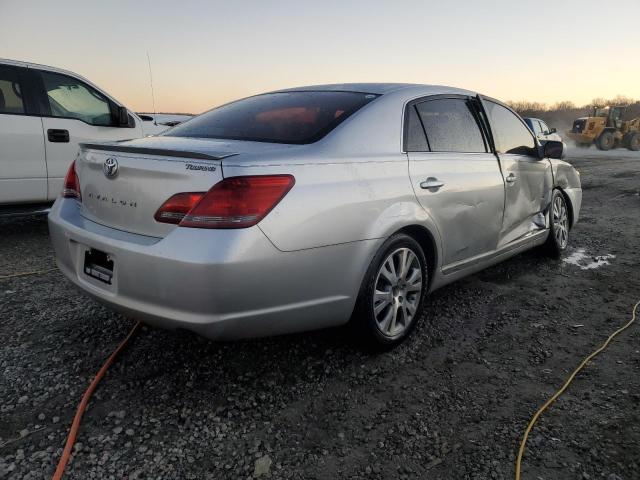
x=542, y=131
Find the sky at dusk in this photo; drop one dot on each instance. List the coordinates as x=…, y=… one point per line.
x=205, y=53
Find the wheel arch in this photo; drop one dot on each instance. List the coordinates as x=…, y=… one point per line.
x=427, y=242
x=569, y=203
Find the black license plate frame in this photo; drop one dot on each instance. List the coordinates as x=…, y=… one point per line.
x=98, y=265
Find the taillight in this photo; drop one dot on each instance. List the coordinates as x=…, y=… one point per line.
x=235, y=202
x=174, y=209
x=71, y=187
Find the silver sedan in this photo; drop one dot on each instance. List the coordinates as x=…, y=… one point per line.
x=309, y=208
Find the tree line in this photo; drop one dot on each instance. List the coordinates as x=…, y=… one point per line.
x=562, y=114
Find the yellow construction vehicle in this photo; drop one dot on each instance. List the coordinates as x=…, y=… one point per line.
x=606, y=128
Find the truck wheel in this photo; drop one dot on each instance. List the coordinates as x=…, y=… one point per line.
x=633, y=141
x=605, y=141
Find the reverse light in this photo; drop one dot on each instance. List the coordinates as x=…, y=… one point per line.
x=71, y=186
x=235, y=202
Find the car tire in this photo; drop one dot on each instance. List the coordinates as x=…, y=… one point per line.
x=633, y=141
x=605, y=141
x=390, y=301
x=559, y=221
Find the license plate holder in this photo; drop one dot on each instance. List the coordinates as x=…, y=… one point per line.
x=98, y=265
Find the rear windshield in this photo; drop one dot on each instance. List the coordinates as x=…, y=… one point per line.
x=287, y=117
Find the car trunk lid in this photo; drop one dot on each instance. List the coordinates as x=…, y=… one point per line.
x=124, y=184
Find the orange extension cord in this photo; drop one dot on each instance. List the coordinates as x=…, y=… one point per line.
x=73, y=432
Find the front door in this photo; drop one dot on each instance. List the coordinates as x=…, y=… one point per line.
x=455, y=177
x=528, y=179
x=78, y=113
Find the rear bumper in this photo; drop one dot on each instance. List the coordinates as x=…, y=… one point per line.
x=223, y=284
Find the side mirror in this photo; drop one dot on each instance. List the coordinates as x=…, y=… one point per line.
x=553, y=149
x=123, y=116
x=553, y=130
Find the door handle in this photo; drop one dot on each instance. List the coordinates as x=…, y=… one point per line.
x=431, y=183
x=511, y=178
x=57, y=135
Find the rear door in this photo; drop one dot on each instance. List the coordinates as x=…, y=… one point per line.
x=454, y=175
x=76, y=113
x=23, y=170
x=528, y=179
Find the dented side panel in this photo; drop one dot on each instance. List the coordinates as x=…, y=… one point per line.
x=528, y=186
x=567, y=178
x=468, y=208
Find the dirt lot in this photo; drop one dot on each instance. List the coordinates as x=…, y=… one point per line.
x=451, y=403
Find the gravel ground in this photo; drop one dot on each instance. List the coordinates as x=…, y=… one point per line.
x=451, y=403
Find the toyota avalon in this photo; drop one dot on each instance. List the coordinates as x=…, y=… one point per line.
x=311, y=207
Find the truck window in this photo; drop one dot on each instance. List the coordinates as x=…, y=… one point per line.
x=10, y=92
x=71, y=98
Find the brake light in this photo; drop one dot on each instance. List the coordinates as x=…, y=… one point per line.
x=235, y=202
x=174, y=209
x=71, y=186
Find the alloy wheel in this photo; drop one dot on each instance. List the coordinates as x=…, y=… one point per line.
x=398, y=289
x=560, y=222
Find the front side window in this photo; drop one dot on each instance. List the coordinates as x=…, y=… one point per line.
x=10, y=92
x=509, y=132
x=286, y=117
x=451, y=126
x=71, y=98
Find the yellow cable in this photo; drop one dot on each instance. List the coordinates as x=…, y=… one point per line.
x=548, y=403
x=24, y=274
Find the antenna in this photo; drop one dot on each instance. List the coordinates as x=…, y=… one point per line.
x=153, y=97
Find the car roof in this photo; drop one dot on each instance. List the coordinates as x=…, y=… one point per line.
x=381, y=88
x=20, y=63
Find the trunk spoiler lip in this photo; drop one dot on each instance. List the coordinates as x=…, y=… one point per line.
x=155, y=151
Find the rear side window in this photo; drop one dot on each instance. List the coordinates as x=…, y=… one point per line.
x=70, y=98
x=415, y=140
x=287, y=117
x=509, y=133
x=451, y=126
x=10, y=92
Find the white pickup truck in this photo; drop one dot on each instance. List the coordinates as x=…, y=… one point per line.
x=45, y=113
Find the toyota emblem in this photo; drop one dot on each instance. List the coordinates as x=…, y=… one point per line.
x=110, y=167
